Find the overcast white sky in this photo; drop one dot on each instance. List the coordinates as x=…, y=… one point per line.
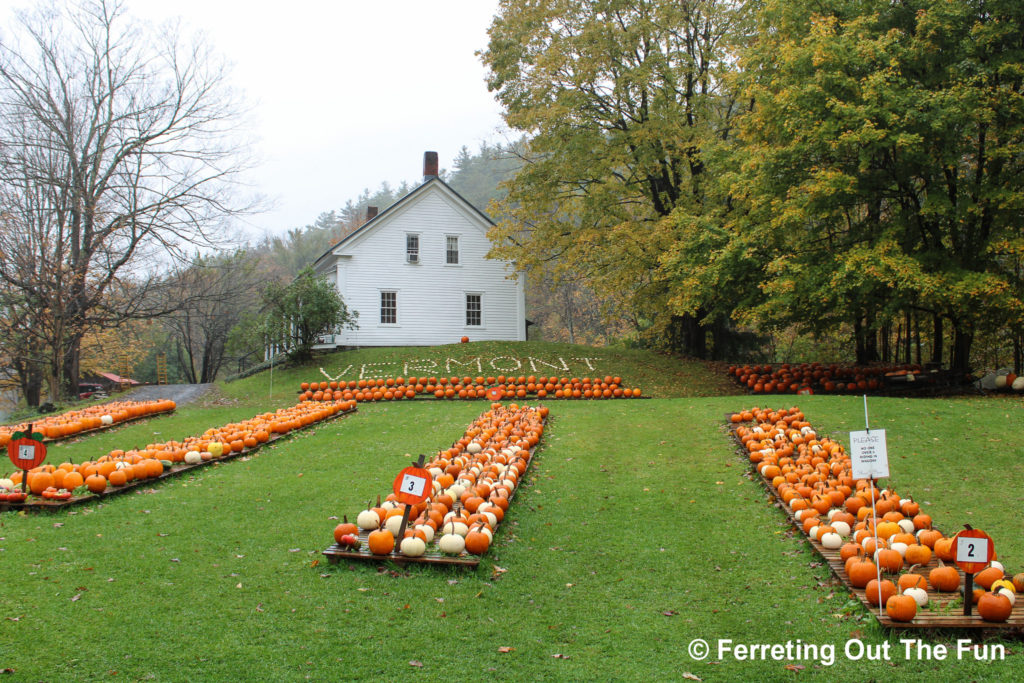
x=346, y=94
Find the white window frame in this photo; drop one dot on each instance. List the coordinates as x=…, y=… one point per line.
x=465, y=308
x=380, y=316
x=458, y=249
x=413, y=257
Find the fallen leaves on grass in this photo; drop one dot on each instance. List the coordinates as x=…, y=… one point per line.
x=416, y=663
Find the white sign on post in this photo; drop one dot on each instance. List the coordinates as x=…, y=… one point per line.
x=969, y=549
x=868, y=455
x=414, y=485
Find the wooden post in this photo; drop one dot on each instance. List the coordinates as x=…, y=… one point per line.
x=24, y=472
x=968, y=593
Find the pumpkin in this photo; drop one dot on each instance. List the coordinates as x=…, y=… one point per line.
x=861, y=571
x=412, y=546
x=346, y=527
x=831, y=540
x=368, y=519
x=1018, y=582
x=911, y=580
x=901, y=607
x=919, y=594
x=985, y=578
x=193, y=458
x=944, y=578
x=886, y=589
x=929, y=537
x=918, y=554
x=1010, y=595
x=994, y=607
x=97, y=483
x=451, y=544
x=944, y=549
x=106, y=420
x=381, y=542
x=477, y=542
x=889, y=560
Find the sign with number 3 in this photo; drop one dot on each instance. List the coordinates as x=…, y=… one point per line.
x=413, y=485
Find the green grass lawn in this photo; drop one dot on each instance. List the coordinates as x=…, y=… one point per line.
x=637, y=530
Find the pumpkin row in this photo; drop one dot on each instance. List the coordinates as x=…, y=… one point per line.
x=85, y=419
x=491, y=388
x=813, y=477
x=820, y=378
x=120, y=468
x=473, y=482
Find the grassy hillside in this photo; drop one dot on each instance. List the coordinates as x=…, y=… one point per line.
x=636, y=531
x=657, y=375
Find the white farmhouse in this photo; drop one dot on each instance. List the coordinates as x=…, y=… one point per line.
x=417, y=274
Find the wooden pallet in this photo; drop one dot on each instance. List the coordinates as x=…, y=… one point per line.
x=37, y=505
x=944, y=610
x=336, y=552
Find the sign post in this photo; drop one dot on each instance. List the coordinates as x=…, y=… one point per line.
x=974, y=551
x=869, y=459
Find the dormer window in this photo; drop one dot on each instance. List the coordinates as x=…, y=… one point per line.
x=412, y=248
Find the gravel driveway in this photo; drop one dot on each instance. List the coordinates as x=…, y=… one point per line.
x=179, y=393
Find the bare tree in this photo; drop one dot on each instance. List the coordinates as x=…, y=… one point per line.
x=217, y=292
x=119, y=150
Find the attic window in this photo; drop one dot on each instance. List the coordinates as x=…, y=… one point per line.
x=412, y=248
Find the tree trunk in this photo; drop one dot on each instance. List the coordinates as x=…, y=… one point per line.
x=71, y=365
x=960, y=362
x=937, y=339
x=906, y=342
x=858, y=341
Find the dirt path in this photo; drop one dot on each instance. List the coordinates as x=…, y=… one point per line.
x=179, y=393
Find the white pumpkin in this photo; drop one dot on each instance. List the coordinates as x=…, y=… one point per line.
x=831, y=540
x=1018, y=384
x=427, y=530
x=998, y=565
x=920, y=595
x=6, y=484
x=901, y=548
x=842, y=528
x=393, y=524
x=368, y=520
x=1000, y=381
x=473, y=448
x=1010, y=595
x=452, y=544
x=906, y=526
x=454, y=527
x=106, y=420
x=193, y=458
x=413, y=546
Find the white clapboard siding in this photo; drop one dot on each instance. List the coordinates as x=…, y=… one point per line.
x=431, y=295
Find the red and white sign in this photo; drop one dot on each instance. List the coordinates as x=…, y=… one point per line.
x=974, y=550
x=413, y=485
x=26, y=453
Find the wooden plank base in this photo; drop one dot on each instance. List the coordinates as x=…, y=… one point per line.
x=944, y=610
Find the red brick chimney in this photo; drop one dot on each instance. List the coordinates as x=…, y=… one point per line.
x=371, y=213
x=429, y=165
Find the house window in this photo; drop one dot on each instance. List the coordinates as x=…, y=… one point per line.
x=412, y=248
x=474, y=310
x=389, y=308
x=452, y=250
